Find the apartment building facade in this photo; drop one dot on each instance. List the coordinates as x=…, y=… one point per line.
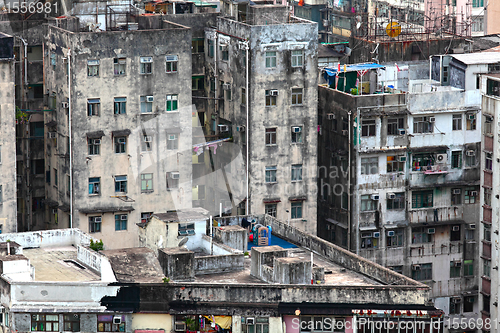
x=118, y=145
x=263, y=64
x=399, y=185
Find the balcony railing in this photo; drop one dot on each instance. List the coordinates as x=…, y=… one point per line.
x=433, y=214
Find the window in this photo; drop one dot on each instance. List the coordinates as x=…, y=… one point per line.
x=421, y=235
x=172, y=141
x=397, y=201
x=271, y=59
x=53, y=58
x=470, y=159
x=145, y=217
x=121, y=222
x=172, y=103
x=487, y=196
x=345, y=200
x=95, y=224
x=456, y=196
x=469, y=304
x=422, y=199
x=468, y=267
x=456, y=159
x=210, y=48
x=455, y=303
x=120, y=105
x=471, y=121
x=105, y=324
x=422, y=162
x=296, y=210
x=470, y=195
x=421, y=272
x=271, y=209
x=394, y=164
x=271, y=97
x=36, y=129
x=296, y=134
x=1, y=195
x=198, y=45
x=198, y=83
x=455, y=233
x=95, y=185
x=146, y=143
x=368, y=127
x=469, y=234
x=45, y=323
x=224, y=52
x=367, y=204
x=244, y=96
x=297, y=94
x=368, y=241
x=55, y=177
x=394, y=124
x=397, y=238
x=171, y=63
x=120, y=144
x=72, y=322
x=92, y=67
x=147, y=182
x=457, y=122
x=296, y=172
x=369, y=165
x=172, y=180
x=297, y=58
x=119, y=66
x=186, y=229
x=477, y=3
x=270, y=136
x=487, y=267
x=146, y=104
x=488, y=163
x=271, y=174
x=422, y=125
x=455, y=269
x=260, y=325
x=146, y=66
x=397, y=269
x=121, y=184
x=487, y=232
x=93, y=106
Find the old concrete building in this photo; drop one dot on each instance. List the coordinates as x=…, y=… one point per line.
x=399, y=182
x=119, y=143
x=8, y=181
x=261, y=65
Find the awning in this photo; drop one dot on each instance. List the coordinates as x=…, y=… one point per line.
x=368, y=228
x=106, y=210
x=95, y=135
x=222, y=321
x=65, y=309
x=331, y=71
x=125, y=132
x=64, y=208
x=51, y=123
x=298, y=198
x=395, y=225
x=427, y=149
x=340, y=224
x=272, y=200
x=51, y=203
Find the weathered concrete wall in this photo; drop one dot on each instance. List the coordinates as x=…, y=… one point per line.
x=218, y=264
x=235, y=237
x=59, y=237
x=150, y=321
x=292, y=271
x=267, y=14
x=177, y=263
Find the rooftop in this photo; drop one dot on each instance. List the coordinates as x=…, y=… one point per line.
x=478, y=58
x=134, y=265
x=183, y=215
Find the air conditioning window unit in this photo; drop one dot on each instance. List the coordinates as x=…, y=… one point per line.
x=150, y=99
x=345, y=132
x=471, y=116
x=223, y=128
x=148, y=138
x=226, y=86
x=375, y=196
x=250, y=321
x=64, y=105
x=117, y=320
x=97, y=141
x=326, y=23
x=391, y=233
x=123, y=217
x=122, y=140
x=401, y=131
x=98, y=219
x=175, y=175
x=431, y=231
x=366, y=235
x=432, y=119
x=456, y=228
x=51, y=135
x=457, y=263
x=402, y=158
x=330, y=116
x=376, y=234
x=240, y=128
x=391, y=195
x=180, y=326
x=416, y=267
x=274, y=92
x=456, y=300
x=457, y=191
x=441, y=158
x=470, y=153
x=54, y=211
x=296, y=129
x=473, y=193
x=472, y=226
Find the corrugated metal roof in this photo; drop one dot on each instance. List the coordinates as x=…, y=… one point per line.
x=478, y=58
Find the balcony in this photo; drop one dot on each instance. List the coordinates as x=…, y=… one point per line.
x=443, y=214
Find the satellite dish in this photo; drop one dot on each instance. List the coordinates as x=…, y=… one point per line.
x=393, y=29
x=183, y=241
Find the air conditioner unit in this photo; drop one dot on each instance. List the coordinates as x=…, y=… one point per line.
x=345, y=132
x=456, y=300
x=402, y=158
x=54, y=211
x=250, y=321
x=375, y=196
x=471, y=116
x=64, y=105
x=240, y=128
x=223, y=47
x=122, y=140
x=488, y=118
x=242, y=46
x=457, y=191
x=457, y=263
x=97, y=141
x=472, y=226
x=180, y=326
x=274, y=92
x=473, y=193
x=376, y=234
x=175, y=175
x=455, y=228
x=415, y=267
x=148, y=138
x=123, y=217
x=226, y=86
x=223, y=128
x=432, y=119
x=296, y=129
x=330, y=116
x=117, y=320
x=431, y=231
x=441, y=158
x=150, y=99
x=51, y=135
x=401, y=131
x=98, y=219
x=326, y=23
x=391, y=195
x=391, y=233
x=470, y=153
x=366, y=235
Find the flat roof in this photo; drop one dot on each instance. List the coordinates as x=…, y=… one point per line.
x=59, y=264
x=478, y=58
x=135, y=265
x=183, y=215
